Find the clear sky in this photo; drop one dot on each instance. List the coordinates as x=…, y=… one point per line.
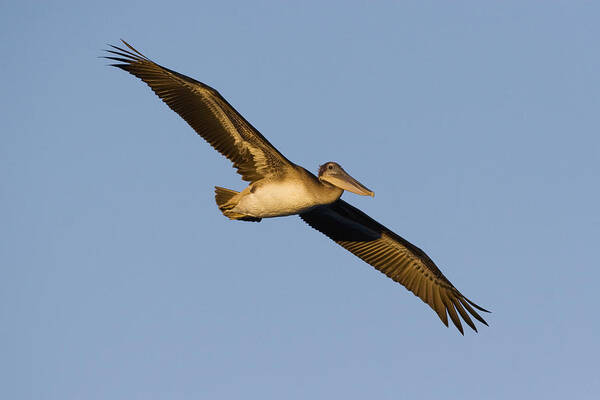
x=476, y=125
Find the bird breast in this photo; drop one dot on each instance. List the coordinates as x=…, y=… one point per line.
x=276, y=199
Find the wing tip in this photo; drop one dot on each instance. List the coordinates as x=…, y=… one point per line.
x=128, y=57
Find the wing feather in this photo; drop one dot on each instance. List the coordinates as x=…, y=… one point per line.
x=208, y=113
x=395, y=257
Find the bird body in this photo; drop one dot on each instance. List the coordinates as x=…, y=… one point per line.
x=296, y=192
x=277, y=187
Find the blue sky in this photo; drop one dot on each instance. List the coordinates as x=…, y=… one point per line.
x=476, y=125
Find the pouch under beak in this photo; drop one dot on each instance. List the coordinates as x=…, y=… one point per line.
x=344, y=181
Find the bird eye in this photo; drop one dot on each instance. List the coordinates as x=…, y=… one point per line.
x=330, y=166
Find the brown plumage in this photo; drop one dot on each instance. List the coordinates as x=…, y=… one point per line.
x=279, y=187
x=394, y=256
x=208, y=113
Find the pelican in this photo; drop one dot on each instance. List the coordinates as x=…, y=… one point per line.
x=278, y=187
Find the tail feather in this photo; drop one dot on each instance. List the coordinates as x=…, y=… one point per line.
x=224, y=198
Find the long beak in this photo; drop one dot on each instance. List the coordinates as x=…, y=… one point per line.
x=344, y=181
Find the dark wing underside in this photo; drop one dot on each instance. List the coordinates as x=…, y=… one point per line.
x=395, y=257
x=209, y=114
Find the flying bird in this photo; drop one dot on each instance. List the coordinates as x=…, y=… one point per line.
x=278, y=187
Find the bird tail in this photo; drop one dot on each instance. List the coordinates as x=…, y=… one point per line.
x=226, y=201
x=222, y=196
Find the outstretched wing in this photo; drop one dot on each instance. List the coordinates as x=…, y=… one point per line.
x=395, y=257
x=208, y=113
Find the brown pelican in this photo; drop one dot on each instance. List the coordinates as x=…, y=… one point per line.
x=279, y=187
